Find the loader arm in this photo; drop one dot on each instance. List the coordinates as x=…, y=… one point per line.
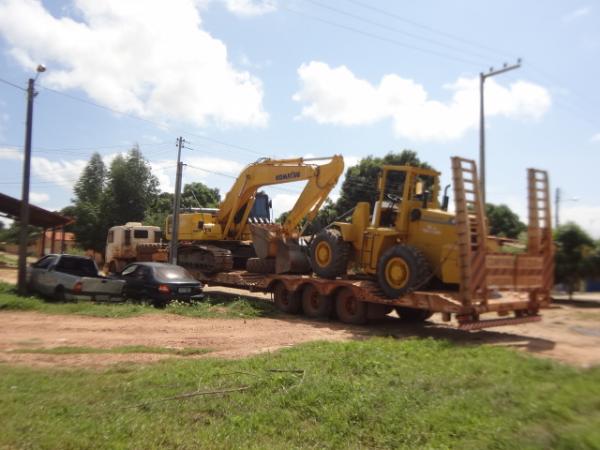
x=268, y=172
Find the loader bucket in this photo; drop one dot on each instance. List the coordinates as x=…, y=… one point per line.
x=269, y=242
x=291, y=258
x=264, y=239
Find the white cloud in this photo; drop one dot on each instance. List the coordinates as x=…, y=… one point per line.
x=63, y=173
x=38, y=197
x=595, y=138
x=250, y=7
x=150, y=58
x=576, y=14
x=282, y=203
x=336, y=96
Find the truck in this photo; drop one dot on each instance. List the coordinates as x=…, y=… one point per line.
x=412, y=255
x=133, y=242
x=69, y=277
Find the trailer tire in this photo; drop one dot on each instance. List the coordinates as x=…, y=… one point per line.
x=314, y=304
x=260, y=265
x=401, y=269
x=413, y=315
x=349, y=309
x=286, y=301
x=329, y=254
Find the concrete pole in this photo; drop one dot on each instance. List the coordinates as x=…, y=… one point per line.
x=176, y=204
x=24, y=216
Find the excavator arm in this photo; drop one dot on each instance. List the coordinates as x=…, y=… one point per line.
x=267, y=172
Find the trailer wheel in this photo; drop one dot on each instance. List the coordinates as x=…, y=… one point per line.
x=287, y=301
x=413, y=315
x=329, y=254
x=349, y=309
x=400, y=270
x=314, y=304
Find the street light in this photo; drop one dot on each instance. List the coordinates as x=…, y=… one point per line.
x=482, y=78
x=24, y=217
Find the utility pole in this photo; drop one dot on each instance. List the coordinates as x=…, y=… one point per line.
x=482, y=78
x=176, y=204
x=556, y=207
x=558, y=199
x=24, y=213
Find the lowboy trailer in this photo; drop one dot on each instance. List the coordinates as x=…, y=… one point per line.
x=513, y=286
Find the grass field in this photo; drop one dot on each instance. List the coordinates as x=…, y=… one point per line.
x=378, y=393
x=210, y=307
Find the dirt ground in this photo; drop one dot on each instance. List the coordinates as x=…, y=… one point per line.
x=569, y=332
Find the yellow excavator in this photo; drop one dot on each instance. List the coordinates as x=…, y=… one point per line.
x=231, y=236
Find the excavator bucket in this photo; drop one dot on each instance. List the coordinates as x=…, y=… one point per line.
x=269, y=242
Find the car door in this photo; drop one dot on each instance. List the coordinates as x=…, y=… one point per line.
x=131, y=288
x=40, y=280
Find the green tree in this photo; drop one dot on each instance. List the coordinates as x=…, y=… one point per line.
x=194, y=195
x=90, y=222
x=198, y=195
x=503, y=221
x=575, y=255
x=90, y=186
x=131, y=189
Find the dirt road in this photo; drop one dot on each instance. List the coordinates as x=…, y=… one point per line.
x=568, y=333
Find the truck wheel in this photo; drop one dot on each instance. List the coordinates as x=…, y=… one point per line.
x=329, y=254
x=59, y=294
x=349, y=309
x=286, y=301
x=315, y=305
x=400, y=270
x=413, y=315
x=260, y=265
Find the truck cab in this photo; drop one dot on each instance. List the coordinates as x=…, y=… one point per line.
x=123, y=240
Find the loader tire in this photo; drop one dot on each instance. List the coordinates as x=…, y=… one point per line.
x=260, y=265
x=329, y=254
x=401, y=270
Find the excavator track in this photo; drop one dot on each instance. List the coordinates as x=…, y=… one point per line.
x=208, y=259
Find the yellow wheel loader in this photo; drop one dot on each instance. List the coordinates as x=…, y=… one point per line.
x=411, y=240
x=218, y=240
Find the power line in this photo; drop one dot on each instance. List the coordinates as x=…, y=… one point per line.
x=383, y=38
x=388, y=13
x=2, y=80
x=393, y=29
x=156, y=124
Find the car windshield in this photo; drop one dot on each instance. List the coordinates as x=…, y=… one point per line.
x=172, y=273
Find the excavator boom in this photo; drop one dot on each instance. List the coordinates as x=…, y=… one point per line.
x=267, y=172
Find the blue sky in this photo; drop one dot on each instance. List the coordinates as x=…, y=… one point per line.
x=239, y=79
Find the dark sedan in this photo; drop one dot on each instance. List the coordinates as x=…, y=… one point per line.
x=159, y=282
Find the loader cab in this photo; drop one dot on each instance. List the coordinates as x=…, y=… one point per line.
x=403, y=192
